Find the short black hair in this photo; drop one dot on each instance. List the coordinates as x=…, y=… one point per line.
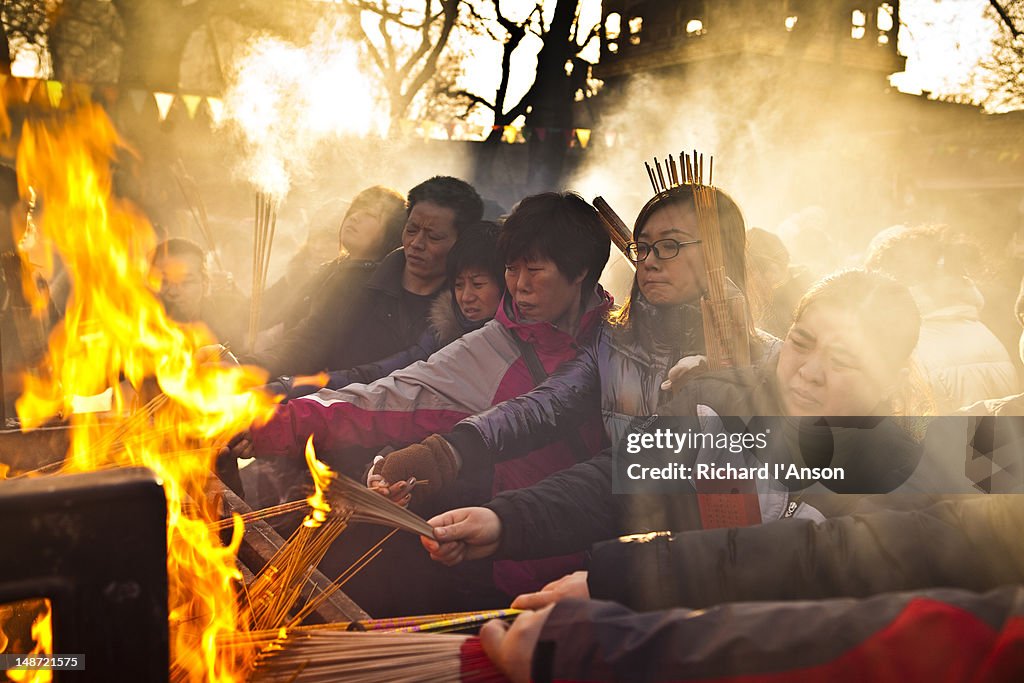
x=561, y=227
x=179, y=246
x=477, y=247
x=450, y=193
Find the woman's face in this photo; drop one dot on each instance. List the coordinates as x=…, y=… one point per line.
x=477, y=294
x=827, y=367
x=678, y=280
x=541, y=292
x=362, y=232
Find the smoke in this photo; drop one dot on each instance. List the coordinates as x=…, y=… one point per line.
x=288, y=101
x=799, y=152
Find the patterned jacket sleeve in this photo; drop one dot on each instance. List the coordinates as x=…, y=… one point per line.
x=944, y=634
x=404, y=407
x=966, y=542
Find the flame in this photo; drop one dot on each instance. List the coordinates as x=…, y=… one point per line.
x=322, y=477
x=115, y=329
x=287, y=99
x=42, y=637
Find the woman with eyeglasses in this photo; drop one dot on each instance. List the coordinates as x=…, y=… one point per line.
x=622, y=372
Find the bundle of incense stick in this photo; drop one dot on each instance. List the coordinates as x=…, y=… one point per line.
x=690, y=171
x=425, y=623
x=263, y=239
x=367, y=506
x=330, y=656
x=619, y=233
x=272, y=595
x=726, y=333
x=275, y=590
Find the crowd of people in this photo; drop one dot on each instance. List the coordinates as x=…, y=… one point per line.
x=477, y=372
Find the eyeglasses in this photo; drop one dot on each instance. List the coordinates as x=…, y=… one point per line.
x=637, y=252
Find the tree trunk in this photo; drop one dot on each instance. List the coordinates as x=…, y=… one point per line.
x=552, y=102
x=5, y=52
x=155, y=33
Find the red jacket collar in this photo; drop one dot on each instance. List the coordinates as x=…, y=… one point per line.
x=547, y=335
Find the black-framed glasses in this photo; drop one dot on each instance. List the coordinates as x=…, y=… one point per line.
x=638, y=252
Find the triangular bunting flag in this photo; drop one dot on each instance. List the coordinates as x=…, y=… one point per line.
x=191, y=104
x=509, y=135
x=584, y=136
x=164, y=100
x=542, y=133
x=55, y=92
x=609, y=138
x=138, y=99
x=216, y=107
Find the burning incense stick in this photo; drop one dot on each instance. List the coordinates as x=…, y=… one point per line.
x=369, y=506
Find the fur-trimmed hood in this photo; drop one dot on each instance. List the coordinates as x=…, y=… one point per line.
x=447, y=321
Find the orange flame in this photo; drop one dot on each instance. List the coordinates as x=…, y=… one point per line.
x=42, y=637
x=322, y=476
x=115, y=328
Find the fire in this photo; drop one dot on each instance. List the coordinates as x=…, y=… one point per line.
x=42, y=637
x=322, y=476
x=116, y=336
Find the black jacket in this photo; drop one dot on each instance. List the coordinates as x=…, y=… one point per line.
x=362, y=315
x=969, y=542
x=955, y=636
x=575, y=508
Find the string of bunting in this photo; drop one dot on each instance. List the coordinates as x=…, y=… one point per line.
x=55, y=94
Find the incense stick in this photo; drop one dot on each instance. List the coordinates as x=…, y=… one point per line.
x=368, y=506
x=356, y=657
x=264, y=227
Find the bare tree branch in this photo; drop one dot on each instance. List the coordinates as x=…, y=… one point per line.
x=1005, y=17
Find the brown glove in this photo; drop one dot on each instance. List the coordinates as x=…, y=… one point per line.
x=431, y=461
